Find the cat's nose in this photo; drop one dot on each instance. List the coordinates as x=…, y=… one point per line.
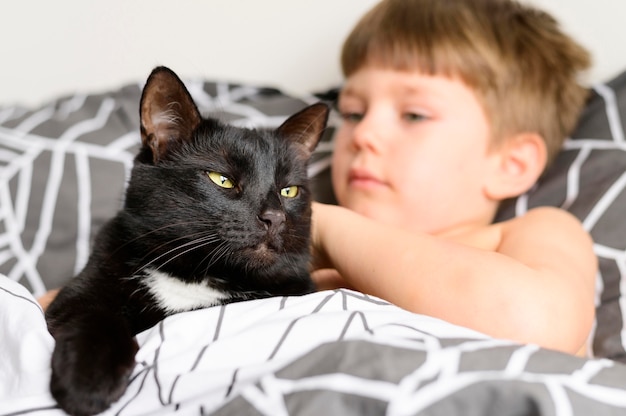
x=272, y=218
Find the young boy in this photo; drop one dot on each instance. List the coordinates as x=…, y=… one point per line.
x=450, y=107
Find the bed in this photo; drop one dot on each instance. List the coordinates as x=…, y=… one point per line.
x=63, y=167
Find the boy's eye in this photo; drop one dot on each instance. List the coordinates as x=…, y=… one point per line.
x=290, y=191
x=352, y=117
x=414, y=117
x=221, y=180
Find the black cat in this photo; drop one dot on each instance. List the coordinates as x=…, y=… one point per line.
x=212, y=214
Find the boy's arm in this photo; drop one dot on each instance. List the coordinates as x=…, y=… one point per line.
x=537, y=286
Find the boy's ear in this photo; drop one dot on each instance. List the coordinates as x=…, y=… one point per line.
x=517, y=165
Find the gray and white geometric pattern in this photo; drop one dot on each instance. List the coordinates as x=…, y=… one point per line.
x=342, y=353
x=62, y=174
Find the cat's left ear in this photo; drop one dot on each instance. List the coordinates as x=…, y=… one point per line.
x=167, y=111
x=306, y=126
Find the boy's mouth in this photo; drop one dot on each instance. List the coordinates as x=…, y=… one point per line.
x=360, y=178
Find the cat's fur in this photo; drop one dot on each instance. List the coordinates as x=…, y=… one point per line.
x=183, y=241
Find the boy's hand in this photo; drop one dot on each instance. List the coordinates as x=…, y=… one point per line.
x=323, y=273
x=47, y=298
x=328, y=279
x=319, y=220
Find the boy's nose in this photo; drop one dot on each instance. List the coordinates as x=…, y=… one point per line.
x=367, y=135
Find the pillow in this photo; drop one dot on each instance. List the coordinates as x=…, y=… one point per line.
x=63, y=170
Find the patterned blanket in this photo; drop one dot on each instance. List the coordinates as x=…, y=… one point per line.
x=328, y=353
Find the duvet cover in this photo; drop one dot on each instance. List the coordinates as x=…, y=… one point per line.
x=329, y=353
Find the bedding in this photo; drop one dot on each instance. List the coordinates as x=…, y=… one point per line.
x=63, y=168
x=332, y=352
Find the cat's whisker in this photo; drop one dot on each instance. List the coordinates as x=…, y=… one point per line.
x=215, y=255
x=219, y=252
x=156, y=231
x=197, y=245
x=138, y=289
x=208, y=239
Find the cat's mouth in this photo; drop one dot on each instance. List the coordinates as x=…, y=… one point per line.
x=264, y=254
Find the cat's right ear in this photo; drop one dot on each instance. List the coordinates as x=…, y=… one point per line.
x=167, y=112
x=306, y=126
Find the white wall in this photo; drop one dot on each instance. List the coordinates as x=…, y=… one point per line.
x=597, y=24
x=62, y=46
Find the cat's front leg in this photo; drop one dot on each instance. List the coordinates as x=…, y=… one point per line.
x=92, y=361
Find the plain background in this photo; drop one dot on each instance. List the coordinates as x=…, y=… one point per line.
x=66, y=46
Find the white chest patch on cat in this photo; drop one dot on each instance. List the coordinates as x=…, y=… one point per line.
x=173, y=295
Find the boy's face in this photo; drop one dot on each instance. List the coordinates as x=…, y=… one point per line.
x=413, y=151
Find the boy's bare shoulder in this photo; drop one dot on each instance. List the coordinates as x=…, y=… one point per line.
x=539, y=227
x=550, y=238
x=550, y=222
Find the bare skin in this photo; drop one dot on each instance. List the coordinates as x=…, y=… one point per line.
x=47, y=298
x=491, y=282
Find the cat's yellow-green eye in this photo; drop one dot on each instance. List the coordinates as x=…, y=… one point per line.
x=221, y=180
x=290, y=191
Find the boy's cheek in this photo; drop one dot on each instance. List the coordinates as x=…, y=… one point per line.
x=341, y=162
x=349, y=130
x=340, y=166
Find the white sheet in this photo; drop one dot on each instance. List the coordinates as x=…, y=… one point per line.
x=25, y=346
x=332, y=352
x=201, y=359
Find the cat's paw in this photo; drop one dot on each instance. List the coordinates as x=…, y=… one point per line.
x=91, y=365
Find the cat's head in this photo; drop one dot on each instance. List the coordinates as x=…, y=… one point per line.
x=216, y=199
x=169, y=118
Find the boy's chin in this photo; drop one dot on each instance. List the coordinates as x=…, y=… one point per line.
x=379, y=211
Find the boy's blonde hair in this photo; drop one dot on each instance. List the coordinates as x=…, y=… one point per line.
x=523, y=68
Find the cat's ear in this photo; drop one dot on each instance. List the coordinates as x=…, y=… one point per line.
x=306, y=126
x=167, y=112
